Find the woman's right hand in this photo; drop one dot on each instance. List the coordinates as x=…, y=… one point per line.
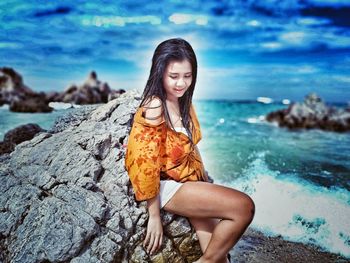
x=154, y=236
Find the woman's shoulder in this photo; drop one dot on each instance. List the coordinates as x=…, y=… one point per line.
x=152, y=110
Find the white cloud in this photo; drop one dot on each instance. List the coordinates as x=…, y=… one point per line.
x=120, y=21
x=296, y=37
x=312, y=21
x=341, y=78
x=271, y=45
x=180, y=18
x=253, y=23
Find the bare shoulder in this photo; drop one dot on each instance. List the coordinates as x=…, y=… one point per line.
x=153, y=110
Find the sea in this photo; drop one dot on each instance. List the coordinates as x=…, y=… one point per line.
x=299, y=180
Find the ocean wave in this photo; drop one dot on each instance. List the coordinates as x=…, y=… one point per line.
x=296, y=209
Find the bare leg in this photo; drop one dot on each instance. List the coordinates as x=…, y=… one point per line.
x=206, y=200
x=204, y=229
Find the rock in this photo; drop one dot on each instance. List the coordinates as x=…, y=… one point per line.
x=66, y=197
x=72, y=118
x=23, y=99
x=18, y=135
x=92, y=91
x=313, y=113
x=20, y=97
x=32, y=104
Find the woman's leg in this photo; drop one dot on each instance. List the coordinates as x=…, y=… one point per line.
x=207, y=200
x=204, y=229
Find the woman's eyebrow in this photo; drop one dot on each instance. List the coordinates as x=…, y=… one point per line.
x=178, y=73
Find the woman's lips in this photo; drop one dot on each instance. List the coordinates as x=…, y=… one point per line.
x=179, y=90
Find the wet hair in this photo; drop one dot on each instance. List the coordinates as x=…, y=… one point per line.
x=175, y=49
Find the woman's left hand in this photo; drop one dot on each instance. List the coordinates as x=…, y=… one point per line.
x=154, y=236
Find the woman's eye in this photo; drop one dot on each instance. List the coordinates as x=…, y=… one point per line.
x=187, y=76
x=172, y=77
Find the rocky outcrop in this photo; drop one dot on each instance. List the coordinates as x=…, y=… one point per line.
x=313, y=113
x=92, y=91
x=66, y=197
x=22, y=99
x=17, y=135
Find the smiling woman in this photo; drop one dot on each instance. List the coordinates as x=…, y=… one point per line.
x=164, y=163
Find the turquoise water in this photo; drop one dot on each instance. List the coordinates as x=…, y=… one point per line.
x=10, y=120
x=299, y=180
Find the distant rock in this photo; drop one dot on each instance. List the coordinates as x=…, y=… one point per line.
x=20, y=97
x=65, y=196
x=17, y=135
x=313, y=113
x=92, y=91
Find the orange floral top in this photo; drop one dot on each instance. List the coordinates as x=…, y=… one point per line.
x=157, y=152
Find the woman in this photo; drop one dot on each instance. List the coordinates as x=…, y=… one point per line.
x=164, y=164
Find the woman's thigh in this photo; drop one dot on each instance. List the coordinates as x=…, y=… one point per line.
x=203, y=200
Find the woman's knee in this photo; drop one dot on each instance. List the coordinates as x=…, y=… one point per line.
x=245, y=210
x=248, y=209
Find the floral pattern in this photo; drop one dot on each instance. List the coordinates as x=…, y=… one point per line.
x=157, y=152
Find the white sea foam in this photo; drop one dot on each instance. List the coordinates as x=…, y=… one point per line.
x=265, y=100
x=5, y=107
x=259, y=119
x=62, y=105
x=298, y=210
x=286, y=101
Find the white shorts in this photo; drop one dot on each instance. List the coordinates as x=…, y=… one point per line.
x=167, y=190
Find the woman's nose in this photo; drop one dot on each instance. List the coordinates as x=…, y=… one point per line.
x=180, y=82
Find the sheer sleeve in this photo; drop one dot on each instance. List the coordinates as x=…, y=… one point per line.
x=143, y=155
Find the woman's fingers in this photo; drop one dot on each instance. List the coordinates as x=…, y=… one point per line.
x=155, y=244
x=150, y=244
x=160, y=241
x=147, y=239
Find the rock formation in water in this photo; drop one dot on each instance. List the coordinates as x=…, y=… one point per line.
x=92, y=91
x=313, y=113
x=17, y=135
x=66, y=197
x=22, y=99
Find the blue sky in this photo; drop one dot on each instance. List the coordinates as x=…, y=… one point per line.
x=245, y=49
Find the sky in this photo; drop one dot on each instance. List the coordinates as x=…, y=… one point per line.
x=245, y=49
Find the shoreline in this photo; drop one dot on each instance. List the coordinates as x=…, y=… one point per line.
x=254, y=246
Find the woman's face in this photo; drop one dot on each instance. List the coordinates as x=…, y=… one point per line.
x=177, y=79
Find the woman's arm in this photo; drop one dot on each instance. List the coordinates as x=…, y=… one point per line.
x=153, y=206
x=154, y=236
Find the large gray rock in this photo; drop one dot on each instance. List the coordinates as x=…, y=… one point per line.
x=66, y=197
x=313, y=113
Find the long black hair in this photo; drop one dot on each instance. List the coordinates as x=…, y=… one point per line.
x=175, y=49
